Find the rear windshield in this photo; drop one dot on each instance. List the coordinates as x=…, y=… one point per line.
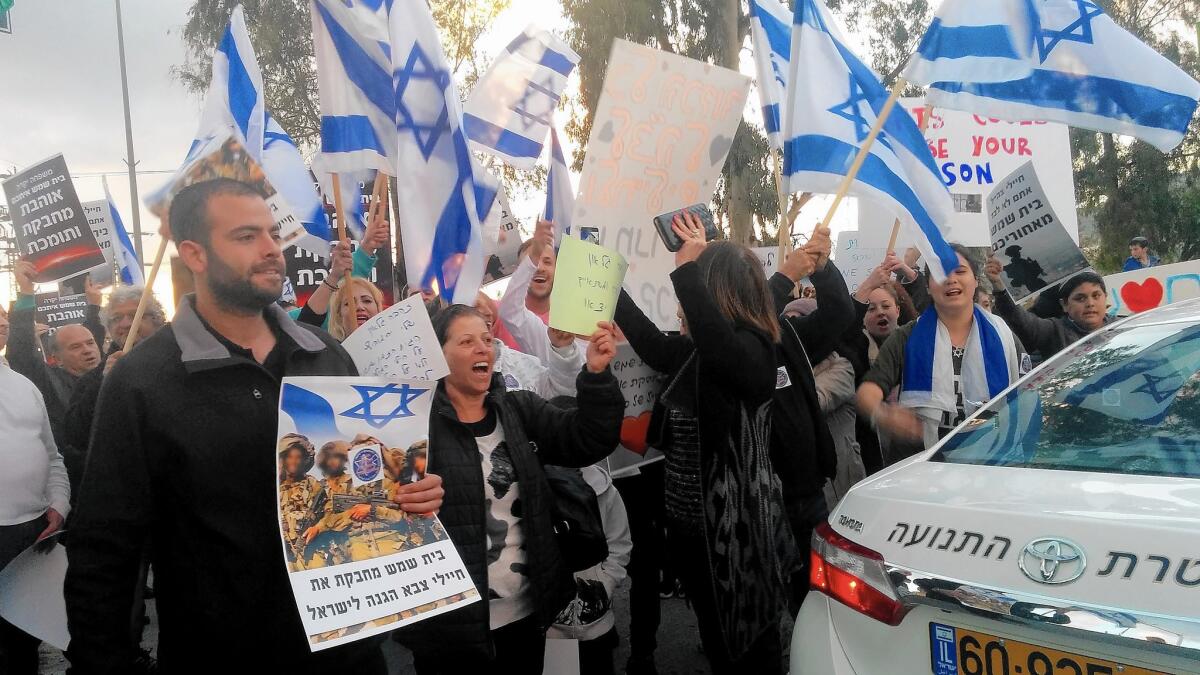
x=1125, y=401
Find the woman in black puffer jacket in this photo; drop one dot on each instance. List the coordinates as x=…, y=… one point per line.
x=489, y=446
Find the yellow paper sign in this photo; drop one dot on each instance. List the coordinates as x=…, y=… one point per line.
x=587, y=283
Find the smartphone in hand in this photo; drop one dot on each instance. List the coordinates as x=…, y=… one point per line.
x=671, y=240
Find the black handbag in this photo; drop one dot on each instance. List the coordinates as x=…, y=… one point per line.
x=575, y=514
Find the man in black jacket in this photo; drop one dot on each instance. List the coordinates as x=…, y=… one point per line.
x=183, y=456
x=1083, y=297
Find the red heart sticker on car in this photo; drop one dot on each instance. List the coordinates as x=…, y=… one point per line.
x=1143, y=296
x=634, y=431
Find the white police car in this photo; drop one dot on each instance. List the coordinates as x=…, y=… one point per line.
x=1056, y=532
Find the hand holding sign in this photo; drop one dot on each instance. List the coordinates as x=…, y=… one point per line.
x=586, y=287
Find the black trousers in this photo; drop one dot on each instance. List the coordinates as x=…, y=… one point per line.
x=520, y=650
x=643, y=497
x=765, y=656
x=18, y=649
x=596, y=656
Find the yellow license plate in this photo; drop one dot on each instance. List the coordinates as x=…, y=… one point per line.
x=957, y=651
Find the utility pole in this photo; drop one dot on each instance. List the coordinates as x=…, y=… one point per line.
x=129, y=159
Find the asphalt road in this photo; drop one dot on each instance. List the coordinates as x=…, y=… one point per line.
x=679, y=650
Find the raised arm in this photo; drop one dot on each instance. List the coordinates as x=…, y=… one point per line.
x=662, y=352
x=1033, y=331
x=821, y=331
x=24, y=351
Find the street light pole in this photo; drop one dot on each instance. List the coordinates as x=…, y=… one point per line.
x=129, y=160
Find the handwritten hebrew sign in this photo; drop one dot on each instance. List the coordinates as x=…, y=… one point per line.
x=398, y=342
x=51, y=227
x=586, y=286
x=1140, y=290
x=663, y=126
x=359, y=565
x=640, y=385
x=1027, y=237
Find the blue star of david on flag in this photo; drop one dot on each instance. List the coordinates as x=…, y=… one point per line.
x=1079, y=30
x=1152, y=387
x=851, y=110
x=420, y=67
x=371, y=395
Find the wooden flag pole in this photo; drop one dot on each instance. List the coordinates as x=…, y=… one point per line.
x=147, y=291
x=785, y=225
x=865, y=149
x=896, y=225
x=348, y=322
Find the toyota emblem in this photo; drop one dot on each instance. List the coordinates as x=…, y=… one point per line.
x=1051, y=560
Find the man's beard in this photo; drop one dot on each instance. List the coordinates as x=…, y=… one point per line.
x=240, y=293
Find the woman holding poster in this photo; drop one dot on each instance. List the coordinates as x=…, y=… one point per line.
x=490, y=444
x=724, y=504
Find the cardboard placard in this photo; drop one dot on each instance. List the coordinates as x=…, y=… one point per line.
x=587, y=284
x=974, y=153
x=99, y=217
x=358, y=565
x=769, y=257
x=1028, y=238
x=56, y=310
x=855, y=260
x=31, y=595
x=663, y=127
x=398, y=343
x=1140, y=290
x=640, y=384
x=51, y=227
x=502, y=255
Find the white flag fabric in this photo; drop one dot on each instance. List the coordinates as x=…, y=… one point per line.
x=832, y=102
x=124, y=253
x=512, y=106
x=771, y=34
x=444, y=196
x=976, y=40
x=354, y=75
x=560, y=196
x=235, y=105
x=1088, y=72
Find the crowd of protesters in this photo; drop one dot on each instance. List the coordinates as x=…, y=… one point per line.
x=776, y=402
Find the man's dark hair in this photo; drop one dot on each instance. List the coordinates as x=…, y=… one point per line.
x=189, y=210
x=1068, y=287
x=1140, y=241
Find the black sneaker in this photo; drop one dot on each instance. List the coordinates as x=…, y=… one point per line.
x=640, y=665
x=145, y=664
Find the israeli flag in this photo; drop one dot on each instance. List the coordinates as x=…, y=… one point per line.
x=354, y=75
x=444, y=196
x=832, y=102
x=512, y=106
x=560, y=196
x=771, y=34
x=123, y=251
x=235, y=104
x=1085, y=71
x=979, y=40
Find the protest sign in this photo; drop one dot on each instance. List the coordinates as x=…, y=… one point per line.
x=854, y=260
x=398, y=343
x=586, y=286
x=1140, y=290
x=99, y=217
x=502, y=254
x=51, y=228
x=640, y=385
x=56, y=310
x=1027, y=237
x=306, y=271
x=662, y=129
x=358, y=565
x=227, y=158
x=974, y=152
x=769, y=257
x=31, y=594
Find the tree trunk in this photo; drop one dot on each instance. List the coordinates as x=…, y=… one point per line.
x=741, y=225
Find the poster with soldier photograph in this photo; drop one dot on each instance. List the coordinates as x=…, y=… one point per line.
x=1028, y=238
x=358, y=564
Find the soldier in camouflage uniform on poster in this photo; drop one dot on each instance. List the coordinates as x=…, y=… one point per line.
x=299, y=493
x=409, y=467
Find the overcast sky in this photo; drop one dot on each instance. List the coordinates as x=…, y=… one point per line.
x=62, y=93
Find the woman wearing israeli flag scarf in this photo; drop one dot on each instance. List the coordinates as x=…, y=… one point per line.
x=948, y=363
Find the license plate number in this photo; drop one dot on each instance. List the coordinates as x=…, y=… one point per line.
x=957, y=651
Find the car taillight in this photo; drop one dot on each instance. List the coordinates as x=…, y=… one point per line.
x=854, y=576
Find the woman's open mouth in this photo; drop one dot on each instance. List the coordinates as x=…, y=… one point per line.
x=480, y=368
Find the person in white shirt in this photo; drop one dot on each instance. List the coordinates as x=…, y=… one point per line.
x=550, y=378
x=34, y=491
